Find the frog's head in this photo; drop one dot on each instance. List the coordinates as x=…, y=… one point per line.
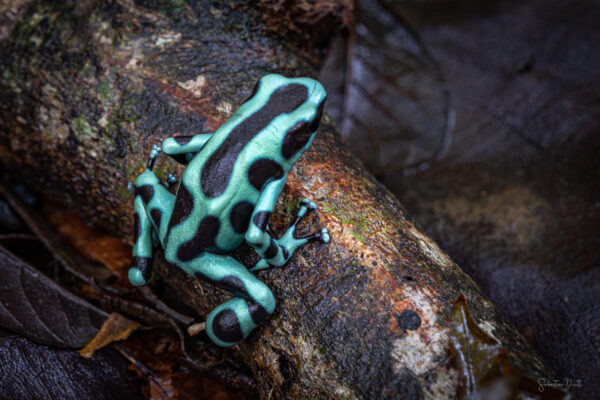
x=293, y=107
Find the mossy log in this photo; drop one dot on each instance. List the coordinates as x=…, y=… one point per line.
x=88, y=87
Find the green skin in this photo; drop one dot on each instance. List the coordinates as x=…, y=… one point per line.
x=227, y=192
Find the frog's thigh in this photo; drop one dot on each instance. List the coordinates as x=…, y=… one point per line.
x=227, y=273
x=232, y=321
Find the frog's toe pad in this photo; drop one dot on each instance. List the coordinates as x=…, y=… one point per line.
x=136, y=277
x=308, y=204
x=322, y=236
x=156, y=149
x=325, y=238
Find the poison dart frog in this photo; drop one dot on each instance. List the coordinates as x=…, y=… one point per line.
x=226, y=194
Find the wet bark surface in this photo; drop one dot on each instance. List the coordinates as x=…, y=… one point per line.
x=88, y=88
x=514, y=196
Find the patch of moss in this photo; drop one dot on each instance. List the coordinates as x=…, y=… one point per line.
x=125, y=110
x=292, y=205
x=131, y=144
x=134, y=169
x=103, y=89
x=359, y=223
x=118, y=113
x=124, y=192
x=171, y=8
x=81, y=127
x=10, y=74
x=161, y=171
x=174, y=7
x=87, y=70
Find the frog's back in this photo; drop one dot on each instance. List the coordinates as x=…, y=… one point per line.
x=221, y=185
x=200, y=223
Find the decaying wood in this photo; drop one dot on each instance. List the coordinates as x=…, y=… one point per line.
x=87, y=89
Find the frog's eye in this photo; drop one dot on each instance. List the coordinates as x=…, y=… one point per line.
x=314, y=124
x=296, y=138
x=301, y=131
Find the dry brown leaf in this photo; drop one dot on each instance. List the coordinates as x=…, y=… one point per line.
x=475, y=352
x=115, y=328
x=485, y=370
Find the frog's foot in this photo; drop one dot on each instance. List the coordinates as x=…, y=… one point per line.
x=171, y=180
x=288, y=244
x=279, y=251
x=291, y=243
x=307, y=206
x=156, y=149
x=322, y=236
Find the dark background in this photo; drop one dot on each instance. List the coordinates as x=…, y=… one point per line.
x=484, y=120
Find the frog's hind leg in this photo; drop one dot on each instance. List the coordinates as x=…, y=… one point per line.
x=232, y=321
x=152, y=211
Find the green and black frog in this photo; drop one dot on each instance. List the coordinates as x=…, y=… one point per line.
x=226, y=195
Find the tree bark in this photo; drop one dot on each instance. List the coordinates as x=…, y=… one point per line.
x=89, y=87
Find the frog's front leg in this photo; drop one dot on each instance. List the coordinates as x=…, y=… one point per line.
x=183, y=148
x=276, y=252
x=152, y=211
x=143, y=250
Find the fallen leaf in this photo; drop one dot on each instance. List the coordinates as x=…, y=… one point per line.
x=475, y=352
x=115, y=328
x=34, y=306
x=388, y=94
x=485, y=371
x=153, y=357
x=31, y=371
